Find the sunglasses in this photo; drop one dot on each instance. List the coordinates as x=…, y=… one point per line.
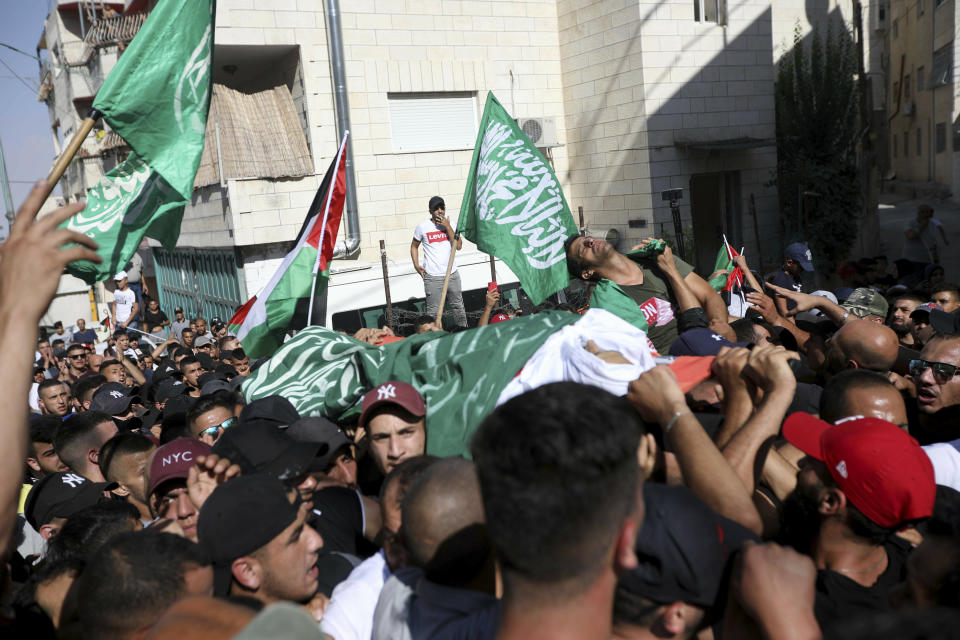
x=942, y=372
x=214, y=431
x=74, y=356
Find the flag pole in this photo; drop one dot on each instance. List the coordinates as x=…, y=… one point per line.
x=61, y=165
x=323, y=228
x=446, y=278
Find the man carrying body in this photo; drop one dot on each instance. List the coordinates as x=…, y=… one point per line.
x=125, y=307
x=255, y=530
x=647, y=290
x=437, y=237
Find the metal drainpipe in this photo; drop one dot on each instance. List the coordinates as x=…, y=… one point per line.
x=351, y=244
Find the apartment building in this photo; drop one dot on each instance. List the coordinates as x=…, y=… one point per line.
x=924, y=136
x=658, y=118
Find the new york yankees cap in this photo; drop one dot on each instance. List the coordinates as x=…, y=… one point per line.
x=113, y=398
x=392, y=392
x=173, y=460
x=60, y=495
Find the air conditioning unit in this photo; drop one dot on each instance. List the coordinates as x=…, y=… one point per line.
x=541, y=131
x=909, y=108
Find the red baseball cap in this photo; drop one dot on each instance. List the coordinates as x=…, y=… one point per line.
x=880, y=468
x=174, y=459
x=392, y=392
x=500, y=317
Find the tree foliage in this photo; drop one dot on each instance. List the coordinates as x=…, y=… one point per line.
x=817, y=143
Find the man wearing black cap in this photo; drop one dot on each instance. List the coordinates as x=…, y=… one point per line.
x=118, y=401
x=179, y=323
x=255, y=530
x=57, y=497
x=437, y=237
x=683, y=550
x=337, y=462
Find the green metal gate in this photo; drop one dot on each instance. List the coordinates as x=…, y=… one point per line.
x=204, y=282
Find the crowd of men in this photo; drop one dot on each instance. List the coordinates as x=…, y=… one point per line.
x=789, y=469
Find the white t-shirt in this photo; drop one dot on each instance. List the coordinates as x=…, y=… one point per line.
x=349, y=616
x=124, y=300
x=436, y=248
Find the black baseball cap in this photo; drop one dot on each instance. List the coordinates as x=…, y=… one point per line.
x=113, y=398
x=60, y=495
x=322, y=431
x=178, y=406
x=436, y=201
x=169, y=388
x=239, y=517
x=258, y=446
x=683, y=549
x=276, y=409
x=215, y=385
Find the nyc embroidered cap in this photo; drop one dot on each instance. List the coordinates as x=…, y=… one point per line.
x=173, y=460
x=392, y=392
x=882, y=470
x=60, y=495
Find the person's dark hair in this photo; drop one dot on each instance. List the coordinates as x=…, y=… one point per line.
x=558, y=472
x=86, y=386
x=107, y=363
x=206, y=403
x=120, y=332
x=633, y=609
x=181, y=351
x=76, y=347
x=124, y=443
x=27, y=612
x=946, y=286
x=860, y=525
x=221, y=342
x=71, y=439
x=188, y=360
x=46, y=384
x=90, y=528
x=131, y=582
x=575, y=266
x=743, y=329
x=43, y=428
x=917, y=297
x=187, y=330
x=56, y=342
x=833, y=400
x=174, y=427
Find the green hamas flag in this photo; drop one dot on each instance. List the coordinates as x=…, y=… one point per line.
x=156, y=99
x=513, y=207
x=460, y=375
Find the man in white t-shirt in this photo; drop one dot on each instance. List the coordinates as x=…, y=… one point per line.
x=436, y=235
x=921, y=240
x=125, y=305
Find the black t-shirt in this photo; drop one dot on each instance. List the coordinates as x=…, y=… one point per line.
x=153, y=320
x=785, y=280
x=338, y=518
x=840, y=599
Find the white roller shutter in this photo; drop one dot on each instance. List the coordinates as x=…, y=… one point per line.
x=432, y=121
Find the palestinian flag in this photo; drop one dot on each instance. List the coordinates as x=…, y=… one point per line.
x=262, y=322
x=734, y=277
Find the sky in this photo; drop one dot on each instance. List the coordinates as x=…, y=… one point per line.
x=24, y=122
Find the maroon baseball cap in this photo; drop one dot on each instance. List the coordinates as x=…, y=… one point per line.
x=174, y=459
x=392, y=392
x=881, y=469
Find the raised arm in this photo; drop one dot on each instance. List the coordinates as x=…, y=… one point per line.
x=31, y=261
x=657, y=397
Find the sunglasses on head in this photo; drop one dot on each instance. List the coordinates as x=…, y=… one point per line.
x=941, y=370
x=214, y=431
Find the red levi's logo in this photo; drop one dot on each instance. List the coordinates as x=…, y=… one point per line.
x=436, y=236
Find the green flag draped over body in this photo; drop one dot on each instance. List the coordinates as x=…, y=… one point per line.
x=513, y=207
x=460, y=375
x=156, y=98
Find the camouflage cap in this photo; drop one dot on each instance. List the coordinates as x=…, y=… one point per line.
x=864, y=301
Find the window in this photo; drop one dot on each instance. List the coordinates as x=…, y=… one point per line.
x=919, y=141
x=710, y=11
x=906, y=87
x=920, y=86
x=882, y=13
x=433, y=121
x=941, y=137
x=896, y=30
x=937, y=3
x=942, y=71
x=919, y=8
x=906, y=144
x=895, y=145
